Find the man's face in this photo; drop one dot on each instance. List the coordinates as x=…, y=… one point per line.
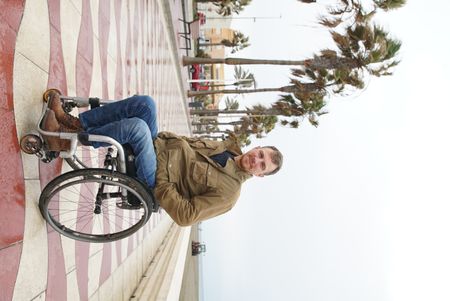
x=258, y=161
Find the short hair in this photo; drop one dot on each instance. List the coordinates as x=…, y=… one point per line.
x=277, y=159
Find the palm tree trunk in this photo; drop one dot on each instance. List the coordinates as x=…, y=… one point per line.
x=209, y=44
x=218, y=123
x=251, y=113
x=221, y=85
x=209, y=132
x=316, y=63
x=217, y=112
x=287, y=89
x=213, y=137
x=332, y=63
x=187, y=60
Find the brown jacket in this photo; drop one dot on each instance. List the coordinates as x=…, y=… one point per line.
x=190, y=186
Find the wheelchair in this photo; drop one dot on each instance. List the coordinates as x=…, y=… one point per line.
x=101, y=199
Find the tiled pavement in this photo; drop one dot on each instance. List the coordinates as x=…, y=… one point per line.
x=109, y=49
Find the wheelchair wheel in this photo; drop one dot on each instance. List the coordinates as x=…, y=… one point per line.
x=47, y=93
x=88, y=157
x=88, y=205
x=31, y=144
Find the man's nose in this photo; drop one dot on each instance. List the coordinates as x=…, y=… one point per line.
x=258, y=159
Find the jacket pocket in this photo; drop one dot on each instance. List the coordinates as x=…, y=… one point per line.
x=172, y=168
x=200, y=144
x=204, y=174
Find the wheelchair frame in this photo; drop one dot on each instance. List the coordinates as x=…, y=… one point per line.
x=134, y=195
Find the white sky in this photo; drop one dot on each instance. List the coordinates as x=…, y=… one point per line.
x=360, y=210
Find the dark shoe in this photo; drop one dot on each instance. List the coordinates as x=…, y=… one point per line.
x=50, y=124
x=127, y=206
x=69, y=121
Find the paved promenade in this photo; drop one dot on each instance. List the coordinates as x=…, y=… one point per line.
x=108, y=49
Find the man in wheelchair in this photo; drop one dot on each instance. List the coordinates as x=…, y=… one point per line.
x=193, y=179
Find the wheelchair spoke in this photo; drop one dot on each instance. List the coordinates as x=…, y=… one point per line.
x=87, y=205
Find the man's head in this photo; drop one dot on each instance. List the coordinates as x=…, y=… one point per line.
x=261, y=161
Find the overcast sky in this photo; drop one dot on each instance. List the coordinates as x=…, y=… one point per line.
x=361, y=208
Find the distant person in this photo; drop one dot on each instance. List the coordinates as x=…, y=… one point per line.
x=193, y=179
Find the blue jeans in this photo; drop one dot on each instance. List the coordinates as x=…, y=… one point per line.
x=132, y=121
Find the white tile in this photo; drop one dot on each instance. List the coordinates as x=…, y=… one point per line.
x=96, y=82
x=70, y=28
x=33, y=39
x=32, y=275
x=28, y=89
x=138, y=50
x=68, y=246
x=118, y=279
x=112, y=37
x=95, y=297
x=95, y=248
x=113, y=257
x=94, y=13
x=123, y=41
x=72, y=286
x=30, y=164
x=106, y=291
x=77, y=4
x=41, y=297
x=139, y=261
x=112, y=66
x=124, y=247
x=95, y=263
x=130, y=276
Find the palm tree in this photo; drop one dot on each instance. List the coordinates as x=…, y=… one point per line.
x=288, y=89
x=243, y=79
x=238, y=42
x=187, y=60
x=305, y=81
x=302, y=105
x=211, y=122
x=258, y=126
x=227, y=7
x=389, y=4
x=214, y=137
x=352, y=11
x=293, y=124
x=363, y=48
x=378, y=48
x=260, y=120
x=308, y=106
x=231, y=104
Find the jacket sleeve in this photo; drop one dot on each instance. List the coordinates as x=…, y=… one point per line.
x=186, y=212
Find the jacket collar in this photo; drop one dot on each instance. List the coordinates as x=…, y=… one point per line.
x=231, y=168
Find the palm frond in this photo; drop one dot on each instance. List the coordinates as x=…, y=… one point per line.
x=389, y=4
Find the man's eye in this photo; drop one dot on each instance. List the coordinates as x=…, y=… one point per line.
x=263, y=166
x=261, y=154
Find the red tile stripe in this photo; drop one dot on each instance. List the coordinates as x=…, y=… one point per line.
x=118, y=89
x=56, y=277
x=83, y=69
x=12, y=208
x=103, y=28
